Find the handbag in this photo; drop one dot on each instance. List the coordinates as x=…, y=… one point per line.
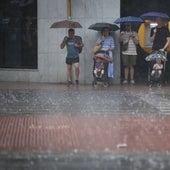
x=125, y=46
x=96, y=48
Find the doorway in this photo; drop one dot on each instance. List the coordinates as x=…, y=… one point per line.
x=136, y=8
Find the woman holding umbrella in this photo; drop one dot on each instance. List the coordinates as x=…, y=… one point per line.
x=131, y=37
x=129, y=55
x=107, y=46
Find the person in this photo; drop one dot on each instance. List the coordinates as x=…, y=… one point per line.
x=99, y=68
x=157, y=67
x=107, y=46
x=160, y=39
x=73, y=45
x=160, y=36
x=130, y=54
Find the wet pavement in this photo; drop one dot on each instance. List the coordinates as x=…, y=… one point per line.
x=51, y=126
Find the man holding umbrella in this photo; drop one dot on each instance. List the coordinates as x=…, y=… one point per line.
x=73, y=44
x=160, y=36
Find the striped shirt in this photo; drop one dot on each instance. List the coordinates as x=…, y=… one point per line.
x=131, y=45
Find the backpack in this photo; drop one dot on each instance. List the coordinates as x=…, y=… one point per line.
x=79, y=41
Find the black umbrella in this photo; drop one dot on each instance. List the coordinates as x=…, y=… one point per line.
x=100, y=25
x=153, y=15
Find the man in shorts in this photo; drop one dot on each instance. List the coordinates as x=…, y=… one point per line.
x=73, y=44
x=130, y=54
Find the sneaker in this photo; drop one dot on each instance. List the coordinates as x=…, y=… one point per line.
x=125, y=82
x=159, y=85
x=77, y=82
x=132, y=82
x=69, y=83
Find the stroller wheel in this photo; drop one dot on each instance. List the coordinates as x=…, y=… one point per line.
x=105, y=84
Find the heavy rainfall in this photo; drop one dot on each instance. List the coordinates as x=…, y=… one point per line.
x=83, y=126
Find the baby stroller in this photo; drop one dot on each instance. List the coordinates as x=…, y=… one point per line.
x=156, y=67
x=100, y=68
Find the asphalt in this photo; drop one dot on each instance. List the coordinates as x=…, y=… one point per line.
x=55, y=127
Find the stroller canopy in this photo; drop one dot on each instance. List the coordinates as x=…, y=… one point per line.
x=156, y=54
x=104, y=57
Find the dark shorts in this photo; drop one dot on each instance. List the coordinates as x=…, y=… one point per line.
x=71, y=61
x=129, y=60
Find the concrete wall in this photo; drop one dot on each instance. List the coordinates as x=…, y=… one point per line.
x=51, y=59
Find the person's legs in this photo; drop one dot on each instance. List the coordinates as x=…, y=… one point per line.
x=126, y=68
x=131, y=72
x=69, y=72
x=126, y=72
x=77, y=71
x=132, y=62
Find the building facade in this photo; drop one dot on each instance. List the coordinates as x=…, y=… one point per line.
x=51, y=65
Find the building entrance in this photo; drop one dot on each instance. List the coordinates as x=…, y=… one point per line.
x=137, y=8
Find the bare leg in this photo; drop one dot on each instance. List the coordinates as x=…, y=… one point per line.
x=69, y=72
x=126, y=72
x=131, y=72
x=77, y=70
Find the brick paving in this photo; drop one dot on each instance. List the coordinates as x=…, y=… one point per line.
x=35, y=133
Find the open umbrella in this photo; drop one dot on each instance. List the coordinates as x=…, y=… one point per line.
x=128, y=19
x=66, y=24
x=156, y=54
x=153, y=15
x=100, y=25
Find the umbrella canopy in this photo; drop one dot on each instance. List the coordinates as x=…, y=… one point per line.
x=104, y=57
x=100, y=25
x=153, y=15
x=66, y=24
x=128, y=19
x=156, y=54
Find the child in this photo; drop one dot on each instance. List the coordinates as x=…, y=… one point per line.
x=157, y=67
x=99, y=68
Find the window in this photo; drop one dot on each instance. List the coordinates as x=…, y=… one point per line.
x=18, y=34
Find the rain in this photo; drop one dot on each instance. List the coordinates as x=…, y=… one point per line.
x=86, y=127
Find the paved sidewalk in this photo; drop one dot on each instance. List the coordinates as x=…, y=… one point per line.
x=49, y=126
